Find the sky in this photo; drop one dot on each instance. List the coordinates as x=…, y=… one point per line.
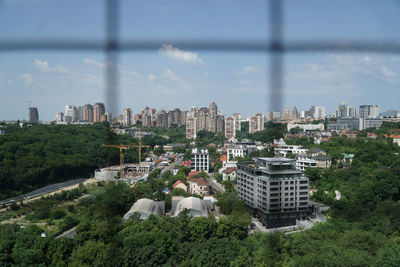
x=170, y=76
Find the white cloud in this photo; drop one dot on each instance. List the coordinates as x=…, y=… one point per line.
x=169, y=74
x=388, y=73
x=249, y=70
x=151, y=77
x=10, y=83
x=180, y=55
x=43, y=66
x=367, y=59
x=91, y=61
x=205, y=74
x=28, y=78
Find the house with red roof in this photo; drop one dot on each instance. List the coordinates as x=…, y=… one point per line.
x=229, y=174
x=180, y=184
x=199, y=186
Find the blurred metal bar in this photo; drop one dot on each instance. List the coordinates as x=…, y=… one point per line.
x=205, y=45
x=276, y=60
x=112, y=50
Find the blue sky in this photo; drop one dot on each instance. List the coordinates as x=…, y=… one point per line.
x=172, y=77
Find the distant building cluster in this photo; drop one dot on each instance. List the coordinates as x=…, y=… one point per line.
x=149, y=117
x=207, y=119
x=348, y=118
x=87, y=113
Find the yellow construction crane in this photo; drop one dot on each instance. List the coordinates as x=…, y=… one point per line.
x=121, y=153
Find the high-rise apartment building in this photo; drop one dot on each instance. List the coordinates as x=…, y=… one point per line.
x=256, y=123
x=295, y=114
x=345, y=111
x=98, y=112
x=319, y=113
x=229, y=128
x=213, y=109
x=33, y=114
x=237, y=121
x=88, y=113
x=127, y=116
x=286, y=114
x=71, y=113
x=275, y=190
x=59, y=117
x=191, y=130
x=369, y=111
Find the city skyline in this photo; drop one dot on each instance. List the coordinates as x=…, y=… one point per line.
x=169, y=75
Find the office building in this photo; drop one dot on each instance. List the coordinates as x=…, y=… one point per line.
x=275, y=190
x=33, y=114
x=200, y=160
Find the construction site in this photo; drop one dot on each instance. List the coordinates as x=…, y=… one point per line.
x=125, y=171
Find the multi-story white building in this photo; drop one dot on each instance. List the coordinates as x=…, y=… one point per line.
x=306, y=127
x=303, y=162
x=281, y=148
x=200, y=160
x=275, y=190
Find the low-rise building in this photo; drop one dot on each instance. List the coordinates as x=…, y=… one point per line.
x=181, y=185
x=282, y=149
x=145, y=207
x=194, y=206
x=229, y=174
x=306, y=127
x=199, y=186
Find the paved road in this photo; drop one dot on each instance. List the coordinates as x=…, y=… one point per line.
x=170, y=167
x=214, y=184
x=43, y=190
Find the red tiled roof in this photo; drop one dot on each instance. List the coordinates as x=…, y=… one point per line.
x=230, y=169
x=192, y=173
x=200, y=181
x=177, y=182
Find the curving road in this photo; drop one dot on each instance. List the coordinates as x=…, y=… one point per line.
x=43, y=190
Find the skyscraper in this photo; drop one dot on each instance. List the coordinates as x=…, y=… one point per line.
x=33, y=114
